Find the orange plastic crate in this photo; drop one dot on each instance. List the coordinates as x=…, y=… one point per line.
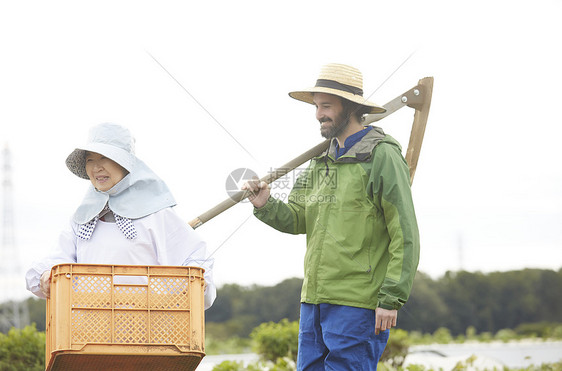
x=125, y=317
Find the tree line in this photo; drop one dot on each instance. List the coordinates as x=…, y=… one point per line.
x=458, y=300
x=487, y=302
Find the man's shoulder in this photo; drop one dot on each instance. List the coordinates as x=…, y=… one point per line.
x=388, y=146
x=389, y=142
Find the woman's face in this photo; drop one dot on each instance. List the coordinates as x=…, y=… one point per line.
x=103, y=172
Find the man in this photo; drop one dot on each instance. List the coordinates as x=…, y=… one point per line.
x=355, y=206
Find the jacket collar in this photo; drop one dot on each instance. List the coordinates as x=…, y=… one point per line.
x=360, y=152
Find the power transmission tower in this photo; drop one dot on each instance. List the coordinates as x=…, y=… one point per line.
x=14, y=311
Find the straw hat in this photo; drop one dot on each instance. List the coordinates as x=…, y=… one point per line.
x=110, y=140
x=341, y=80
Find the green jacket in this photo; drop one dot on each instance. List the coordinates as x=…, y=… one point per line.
x=358, y=215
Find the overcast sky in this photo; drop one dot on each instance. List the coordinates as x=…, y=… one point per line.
x=204, y=90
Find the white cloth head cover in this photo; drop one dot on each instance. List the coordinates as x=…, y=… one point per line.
x=138, y=194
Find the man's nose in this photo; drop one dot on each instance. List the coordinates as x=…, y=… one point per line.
x=319, y=114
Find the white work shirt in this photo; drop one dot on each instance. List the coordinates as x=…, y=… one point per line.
x=163, y=239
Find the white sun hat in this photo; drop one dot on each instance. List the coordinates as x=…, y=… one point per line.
x=140, y=193
x=110, y=140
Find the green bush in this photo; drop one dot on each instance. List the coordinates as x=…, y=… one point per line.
x=506, y=335
x=442, y=336
x=471, y=333
x=276, y=340
x=536, y=329
x=231, y=345
x=22, y=350
x=229, y=366
x=485, y=337
x=281, y=364
x=557, y=332
x=284, y=364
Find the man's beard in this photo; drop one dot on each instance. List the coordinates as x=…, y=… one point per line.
x=340, y=123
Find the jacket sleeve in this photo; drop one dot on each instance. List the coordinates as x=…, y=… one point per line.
x=287, y=217
x=390, y=182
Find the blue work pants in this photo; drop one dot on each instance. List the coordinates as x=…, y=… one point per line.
x=340, y=338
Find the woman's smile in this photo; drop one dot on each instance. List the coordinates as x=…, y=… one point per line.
x=103, y=172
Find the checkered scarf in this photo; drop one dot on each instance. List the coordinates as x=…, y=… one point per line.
x=124, y=224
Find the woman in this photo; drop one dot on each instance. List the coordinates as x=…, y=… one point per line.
x=125, y=218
